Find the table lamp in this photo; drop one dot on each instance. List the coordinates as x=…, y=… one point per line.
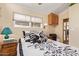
x=6, y=31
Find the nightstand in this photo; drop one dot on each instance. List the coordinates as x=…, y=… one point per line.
x=8, y=48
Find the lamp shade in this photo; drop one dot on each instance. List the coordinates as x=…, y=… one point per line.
x=6, y=31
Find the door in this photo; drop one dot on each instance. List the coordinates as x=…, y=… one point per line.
x=66, y=31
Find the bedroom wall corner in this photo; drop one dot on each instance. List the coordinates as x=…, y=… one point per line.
x=59, y=28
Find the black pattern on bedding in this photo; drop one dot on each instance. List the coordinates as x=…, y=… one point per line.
x=34, y=38
x=52, y=49
x=61, y=51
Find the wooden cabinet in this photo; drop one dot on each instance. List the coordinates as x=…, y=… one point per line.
x=8, y=49
x=52, y=19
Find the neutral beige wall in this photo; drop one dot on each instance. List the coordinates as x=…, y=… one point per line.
x=73, y=14
x=59, y=28
x=0, y=17
x=74, y=25
x=6, y=18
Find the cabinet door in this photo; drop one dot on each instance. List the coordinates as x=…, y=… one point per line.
x=52, y=19
x=55, y=20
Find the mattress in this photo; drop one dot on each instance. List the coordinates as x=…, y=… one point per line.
x=52, y=48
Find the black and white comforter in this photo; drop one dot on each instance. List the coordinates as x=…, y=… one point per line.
x=52, y=48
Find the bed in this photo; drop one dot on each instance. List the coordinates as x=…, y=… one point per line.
x=49, y=48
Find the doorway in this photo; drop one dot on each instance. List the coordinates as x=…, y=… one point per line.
x=66, y=31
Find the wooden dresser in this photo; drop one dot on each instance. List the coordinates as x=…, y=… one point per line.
x=8, y=49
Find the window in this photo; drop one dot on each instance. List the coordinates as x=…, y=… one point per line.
x=21, y=20
x=22, y=23
x=36, y=22
x=27, y=21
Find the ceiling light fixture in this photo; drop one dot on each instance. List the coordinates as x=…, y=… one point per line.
x=39, y=3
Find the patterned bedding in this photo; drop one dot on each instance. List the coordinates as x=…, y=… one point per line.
x=52, y=48
x=56, y=49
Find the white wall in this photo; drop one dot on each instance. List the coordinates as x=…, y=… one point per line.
x=74, y=25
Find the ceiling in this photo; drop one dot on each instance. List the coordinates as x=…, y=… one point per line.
x=46, y=8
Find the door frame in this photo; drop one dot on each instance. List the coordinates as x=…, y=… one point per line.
x=64, y=20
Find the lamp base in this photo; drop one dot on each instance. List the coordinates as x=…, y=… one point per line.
x=6, y=37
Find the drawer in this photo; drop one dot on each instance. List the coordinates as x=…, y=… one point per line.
x=9, y=45
x=10, y=49
x=13, y=53
x=4, y=54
